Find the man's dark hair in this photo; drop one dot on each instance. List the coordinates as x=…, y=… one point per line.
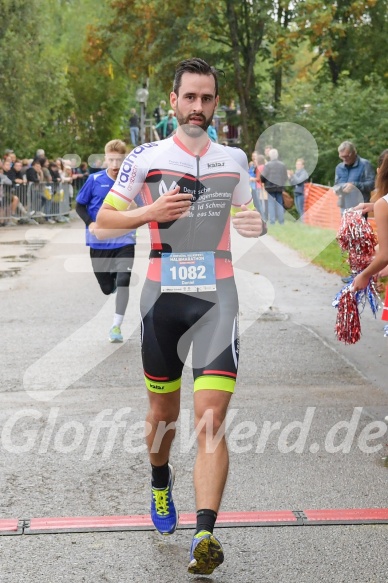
x=194, y=65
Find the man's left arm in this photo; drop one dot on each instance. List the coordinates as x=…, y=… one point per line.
x=367, y=179
x=245, y=218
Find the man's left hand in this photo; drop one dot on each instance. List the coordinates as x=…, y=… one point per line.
x=248, y=223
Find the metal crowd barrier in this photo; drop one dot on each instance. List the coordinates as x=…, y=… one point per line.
x=47, y=201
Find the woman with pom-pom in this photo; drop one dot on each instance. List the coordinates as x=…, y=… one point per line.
x=380, y=209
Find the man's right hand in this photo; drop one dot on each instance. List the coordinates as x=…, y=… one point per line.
x=348, y=187
x=170, y=206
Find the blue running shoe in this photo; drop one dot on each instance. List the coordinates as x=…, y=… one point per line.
x=115, y=334
x=163, y=511
x=206, y=554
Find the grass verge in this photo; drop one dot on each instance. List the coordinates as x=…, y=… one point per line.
x=315, y=244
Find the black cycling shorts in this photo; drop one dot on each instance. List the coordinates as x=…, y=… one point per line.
x=171, y=322
x=113, y=267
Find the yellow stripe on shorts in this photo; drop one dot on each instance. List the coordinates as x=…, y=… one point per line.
x=216, y=383
x=162, y=387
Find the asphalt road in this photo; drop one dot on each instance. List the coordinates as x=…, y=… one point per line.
x=301, y=422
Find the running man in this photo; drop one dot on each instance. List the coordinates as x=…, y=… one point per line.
x=190, y=186
x=112, y=259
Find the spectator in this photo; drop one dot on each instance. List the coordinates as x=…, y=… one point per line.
x=26, y=163
x=19, y=181
x=54, y=172
x=267, y=150
x=84, y=170
x=159, y=111
x=262, y=194
x=298, y=179
x=274, y=178
x=5, y=199
x=76, y=173
x=66, y=174
x=252, y=168
x=39, y=199
x=34, y=172
x=58, y=193
x=8, y=154
x=16, y=173
x=134, y=127
x=7, y=168
x=45, y=169
x=13, y=201
x=167, y=125
x=354, y=177
x=212, y=132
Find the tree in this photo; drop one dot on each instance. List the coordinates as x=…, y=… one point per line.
x=336, y=30
x=32, y=79
x=348, y=111
x=159, y=34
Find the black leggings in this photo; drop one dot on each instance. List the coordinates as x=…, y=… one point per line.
x=113, y=268
x=171, y=322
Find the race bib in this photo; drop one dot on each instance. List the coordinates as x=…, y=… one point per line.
x=188, y=272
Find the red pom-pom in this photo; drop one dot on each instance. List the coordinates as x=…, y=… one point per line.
x=348, y=327
x=356, y=236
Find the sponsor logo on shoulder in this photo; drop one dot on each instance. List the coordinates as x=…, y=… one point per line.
x=130, y=160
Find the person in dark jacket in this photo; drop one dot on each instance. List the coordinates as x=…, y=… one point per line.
x=274, y=177
x=354, y=177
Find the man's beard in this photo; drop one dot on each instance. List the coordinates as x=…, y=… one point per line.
x=193, y=130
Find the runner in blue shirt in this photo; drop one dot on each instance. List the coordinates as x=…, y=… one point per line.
x=112, y=259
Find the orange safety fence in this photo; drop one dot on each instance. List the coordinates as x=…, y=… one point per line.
x=320, y=207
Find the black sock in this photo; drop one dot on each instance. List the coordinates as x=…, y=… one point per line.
x=160, y=476
x=206, y=520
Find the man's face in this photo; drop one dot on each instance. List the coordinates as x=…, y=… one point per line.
x=6, y=165
x=113, y=162
x=17, y=166
x=299, y=165
x=347, y=156
x=195, y=103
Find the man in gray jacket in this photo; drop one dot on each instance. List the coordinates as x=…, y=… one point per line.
x=274, y=178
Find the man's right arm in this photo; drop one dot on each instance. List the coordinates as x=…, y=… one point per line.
x=171, y=206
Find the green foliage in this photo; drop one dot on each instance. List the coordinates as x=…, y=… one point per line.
x=348, y=111
x=69, y=69
x=349, y=34
x=32, y=82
